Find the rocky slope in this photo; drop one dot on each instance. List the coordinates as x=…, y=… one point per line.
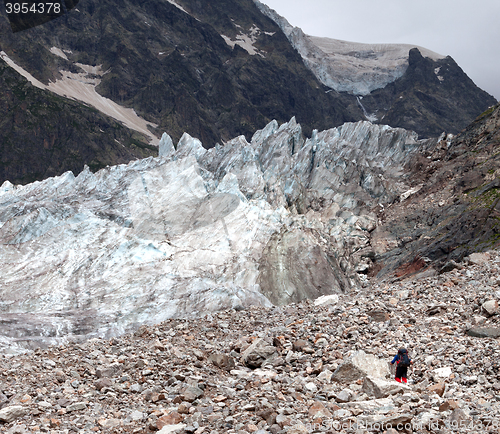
x=398, y=85
x=213, y=69
x=274, y=220
x=307, y=367
x=454, y=209
x=44, y=135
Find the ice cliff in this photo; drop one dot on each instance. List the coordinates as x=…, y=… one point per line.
x=276, y=220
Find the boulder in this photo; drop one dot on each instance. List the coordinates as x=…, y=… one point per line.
x=11, y=413
x=438, y=388
x=490, y=307
x=191, y=393
x=479, y=258
x=222, y=361
x=380, y=388
x=360, y=365
x=441, y=374
x=258, y=353
x=326, y=300
x=484, y=332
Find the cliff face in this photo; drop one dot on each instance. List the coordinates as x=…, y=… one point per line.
x=454, y=210
x=432, y=97
x=43, y=135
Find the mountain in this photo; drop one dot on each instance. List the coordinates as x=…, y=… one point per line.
x=399, y=85
x=216, y=70
x=44, y=135
x=454, y=207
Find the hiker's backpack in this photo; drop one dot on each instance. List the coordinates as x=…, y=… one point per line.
x=404, y=360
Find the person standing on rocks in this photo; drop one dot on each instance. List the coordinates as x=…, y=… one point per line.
x=403, y=362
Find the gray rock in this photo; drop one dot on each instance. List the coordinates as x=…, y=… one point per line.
x=490, y=307
x=4, y=401
x=108, y=371
x=11, y=413
x=258, y=353
x=222, y=361
x=191, y=393
x=379, y=388
x=478, y=258
x=484, y=332
x=344, y=395
x=76, y=406
x=172, y=429
x=360, y=365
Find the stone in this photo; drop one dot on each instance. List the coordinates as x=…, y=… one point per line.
x=11, y=413
x=258, y=353
x=484, y=332
x=4, y=401
x=449, y=405
x=300, y=344
x=441, y=374
x=478, y=258
x=172, y=418
x=102, y=383
x=222, y=361
x=191, y=393
x=490, y=307
x=344, y=395
x=137, y=415
x=395, y=421
x=438, y=388
x=172, y=429
x=76, y=406
x=359, y=366
x=269, y=415
x=380, y=388
x=326, y=300
x=298, y=429
x=318, y=410
x=108, y=371
x=457, y=418
x=379, y=315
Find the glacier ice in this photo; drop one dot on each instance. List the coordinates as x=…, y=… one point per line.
x=345, y=66
x=275, y=220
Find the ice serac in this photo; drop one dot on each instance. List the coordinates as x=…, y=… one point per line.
x=276, y=220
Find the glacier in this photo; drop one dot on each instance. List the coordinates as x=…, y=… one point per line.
x=344, y=66
x=271, y=221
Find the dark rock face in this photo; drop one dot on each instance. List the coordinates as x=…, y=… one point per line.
x=432, y=97
x=176, y=70
x=44, y=135
x=455, y=212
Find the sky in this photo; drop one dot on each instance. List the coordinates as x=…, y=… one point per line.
x=466, y=30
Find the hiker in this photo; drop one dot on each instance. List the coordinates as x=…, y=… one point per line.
x=403, y=362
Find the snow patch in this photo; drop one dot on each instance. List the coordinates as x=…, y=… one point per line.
x=178, y=6
x=245, y=41
x=81, y=87
x=58, y=52
x=436, y=71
